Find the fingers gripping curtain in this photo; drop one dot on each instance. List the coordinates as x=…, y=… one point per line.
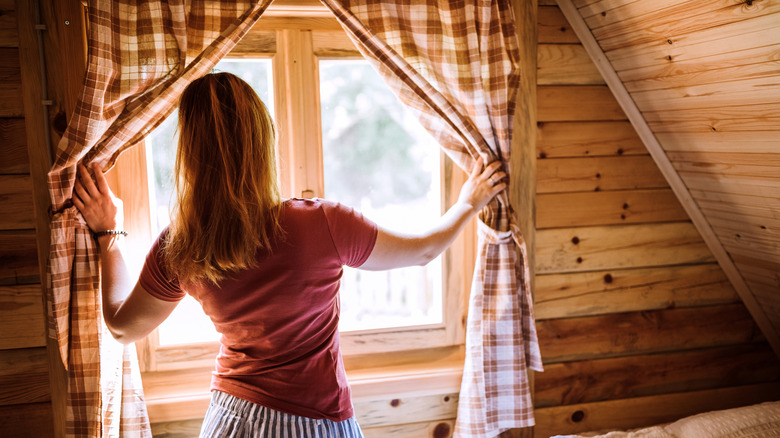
x=455, y=63
x=142, y=54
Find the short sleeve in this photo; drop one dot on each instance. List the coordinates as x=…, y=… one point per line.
x=154, y=277
x=353, y=234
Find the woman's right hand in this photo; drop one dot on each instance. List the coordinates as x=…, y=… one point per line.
x=94, y=199
x=483, y=185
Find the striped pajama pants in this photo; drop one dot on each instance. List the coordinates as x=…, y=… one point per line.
x=232, y=417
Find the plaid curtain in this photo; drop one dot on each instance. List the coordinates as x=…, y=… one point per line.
x=142, y=54
x=455, y=63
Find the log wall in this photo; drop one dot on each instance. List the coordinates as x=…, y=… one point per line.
x=632, y=309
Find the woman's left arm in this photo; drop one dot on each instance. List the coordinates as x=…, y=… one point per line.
x=130, y=312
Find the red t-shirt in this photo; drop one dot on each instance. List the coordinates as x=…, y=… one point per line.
x=279, y=320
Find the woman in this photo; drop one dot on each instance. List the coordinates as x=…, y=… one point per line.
x=265, y=270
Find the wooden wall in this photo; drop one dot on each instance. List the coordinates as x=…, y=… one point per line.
x=25, y=394
x=637, y=323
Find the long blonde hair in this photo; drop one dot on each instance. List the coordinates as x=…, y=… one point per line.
x=228, y=199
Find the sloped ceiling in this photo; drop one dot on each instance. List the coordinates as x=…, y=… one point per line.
x=700, y=82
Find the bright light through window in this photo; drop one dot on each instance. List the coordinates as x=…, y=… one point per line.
x=379, y=160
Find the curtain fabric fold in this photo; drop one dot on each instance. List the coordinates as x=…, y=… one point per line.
x=455, y=64
x=142, y=54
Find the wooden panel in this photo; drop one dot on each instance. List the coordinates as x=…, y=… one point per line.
x=553, y=27
x=603, y=208
x=696, y=59
x=598, y=173
x=11, y=104
x=24, y=376
x=566, y=64
x=585, y=139
x=21, y=317
x=728, y=163
x=651, y=58
x=723, y=76
x=388, y=412
x=752, y=91
x=650, y=22
x=577, y=103
x=255, y=43
x=28, y=420
x=13, y=147
x=646, y=411
x=611, y=247
x=335, y=44
x=744, y=119
x=734, y=184
x=624, y=334
x=18, y=258
x=627, y=290
x=9, y=34
x=757, y=141
x=653, y=374
x=16, y=199
x=433, y=429
x=682, y=42
x=177, y=429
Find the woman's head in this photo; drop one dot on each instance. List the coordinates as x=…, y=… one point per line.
x=227, y=190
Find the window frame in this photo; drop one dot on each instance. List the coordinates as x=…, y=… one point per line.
x=295, y=41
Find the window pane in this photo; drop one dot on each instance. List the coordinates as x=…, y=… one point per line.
x=379, y=160
x=188, y=323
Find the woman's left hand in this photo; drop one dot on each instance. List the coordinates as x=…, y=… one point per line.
x=94, y=199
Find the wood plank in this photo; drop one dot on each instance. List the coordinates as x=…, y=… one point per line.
x=256, y=43
x=733, y=163
x=18, y=258
x=577, y=103
x=586, y=139
x=655, y=374
x=24, y=376
x=21, y=317
x=745, y=127
x=743, y=117
x=588, y=8
x=334, y=44
x=766, y=70
x=676, y=182
x=689, y=42
x=11, y=100
x=735, y=184
x=566, y=64
x=647, y=411
x=177, y=429
x=652, y=331
x=619, y=247
x=392, y=411
x=427, y=429
x=13, y=147
x=598, y=173
x=630, y=290
x=9, y=33
x=553, y=27
x=17, y=201
x=750, y=91
x=554, y=210
x=695, y=59
x=757, y=141
x=28, y=420
x=650, y=22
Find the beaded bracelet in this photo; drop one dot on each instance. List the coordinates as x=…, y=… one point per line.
x=110, y=233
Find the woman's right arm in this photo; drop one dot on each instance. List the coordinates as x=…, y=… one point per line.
x=397, y=250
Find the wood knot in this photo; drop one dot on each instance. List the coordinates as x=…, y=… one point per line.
x=395, y=402
x=625, y=206
x=620, y=151
x=575, y=240
x=598, y=175
x=579, y=259
x=608, y=278
x=542, y=155
x=577, y=416
x=442, y=430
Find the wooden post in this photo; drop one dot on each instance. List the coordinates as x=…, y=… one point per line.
x=522, y=189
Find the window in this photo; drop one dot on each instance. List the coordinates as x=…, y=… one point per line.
x=340, y=128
